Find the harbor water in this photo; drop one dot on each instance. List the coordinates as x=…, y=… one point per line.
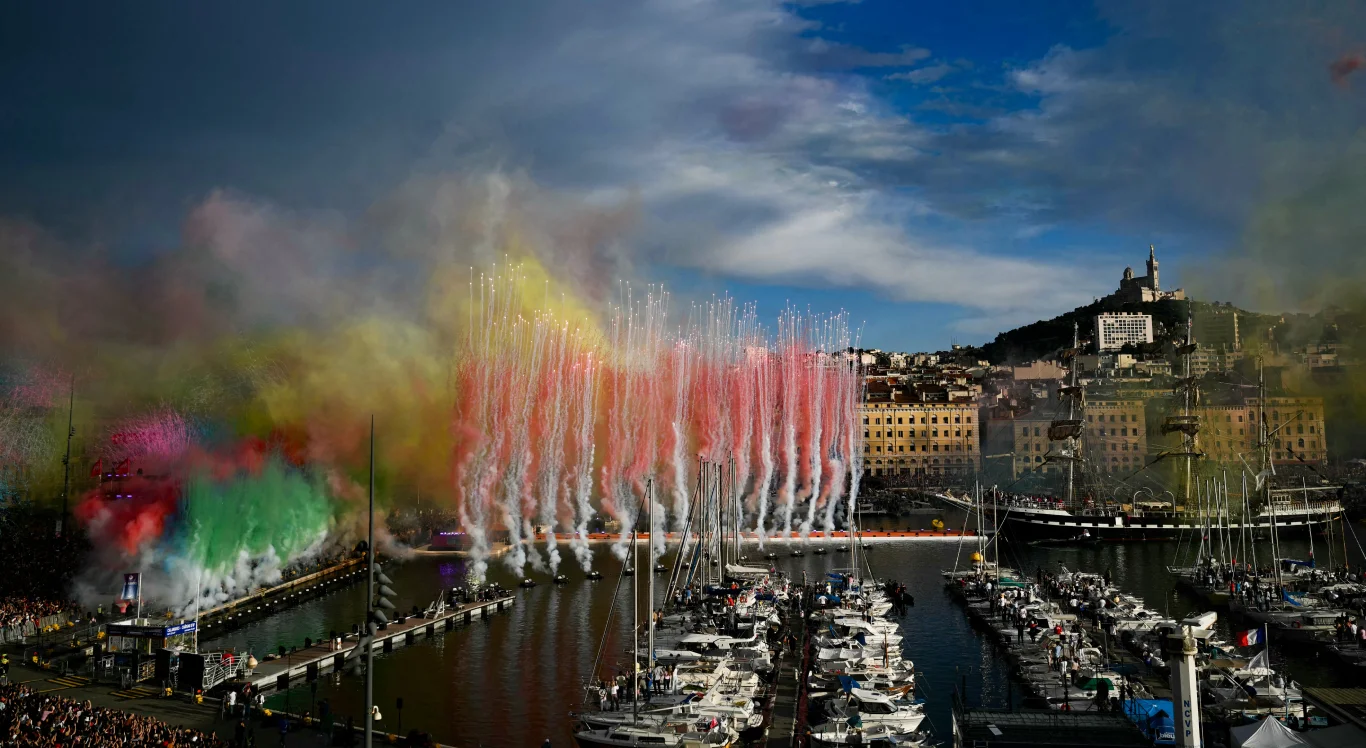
x=512, y=679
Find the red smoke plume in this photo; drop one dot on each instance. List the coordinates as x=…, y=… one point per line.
x=1344, y=66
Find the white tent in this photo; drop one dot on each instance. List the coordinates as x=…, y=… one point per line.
x=1269, y=733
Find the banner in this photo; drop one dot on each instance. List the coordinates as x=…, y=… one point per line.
x=132, y=584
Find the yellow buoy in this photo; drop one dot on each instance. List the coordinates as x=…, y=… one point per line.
x=976, y=558
x=938, y=524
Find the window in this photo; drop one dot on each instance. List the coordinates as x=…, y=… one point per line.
x=1123, y=417
x=901, y=448
x=879, y=449
x=969, y=447
x=1311, y=428
x=1135, y=432
x=1301, y=444
x=967, y=419
x=1102, y=432
x=936, y=447
x=1299, y=429
x=865, y=420
x=969, y=433
x=936, y=433
x=956, y=419
x=1240, y=419
x=898, y=420
x=1124, y=432
x=934, y=419
x=865, y=433
x=1024, y=431
x=1089, y=417
x=1112, y=418
x=1036, y=430
x=912, y=447
x=865, y=449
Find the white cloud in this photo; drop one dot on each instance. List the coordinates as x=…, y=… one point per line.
x=922, y=76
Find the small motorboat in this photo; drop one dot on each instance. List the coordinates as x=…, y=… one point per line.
x=628, y=571
x=561, y=579
x=770, y=555
x=528, y=582
x=798, y=553
x=819, y=550
x=660, y=567
x=594, y=574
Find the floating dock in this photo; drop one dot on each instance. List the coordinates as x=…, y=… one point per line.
x=239, y=612
x=816, y=537
x=307, y=664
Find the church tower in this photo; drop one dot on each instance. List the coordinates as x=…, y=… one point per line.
x=1152, y=268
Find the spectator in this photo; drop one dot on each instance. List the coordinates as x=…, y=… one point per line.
x=31, y=718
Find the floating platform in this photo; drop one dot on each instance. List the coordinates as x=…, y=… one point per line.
x=818, y=537
x=265, y=602
x=307, y=664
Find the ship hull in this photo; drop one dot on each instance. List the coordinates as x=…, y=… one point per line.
x=1129, y=528
x=1059, y=524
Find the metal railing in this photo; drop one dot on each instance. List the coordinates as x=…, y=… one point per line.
x=18, y=632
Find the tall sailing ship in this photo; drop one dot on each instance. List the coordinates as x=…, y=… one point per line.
x=1086, y=510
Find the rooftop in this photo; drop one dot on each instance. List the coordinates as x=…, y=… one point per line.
x=1347, y=704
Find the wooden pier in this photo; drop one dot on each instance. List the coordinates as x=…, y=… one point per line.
x=306, y=665
x=271, y=600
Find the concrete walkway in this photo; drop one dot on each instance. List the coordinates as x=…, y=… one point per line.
x=177, y=710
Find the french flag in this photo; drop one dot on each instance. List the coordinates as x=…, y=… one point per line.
x=1249, y=637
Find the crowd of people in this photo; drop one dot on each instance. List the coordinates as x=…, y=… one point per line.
x=29, y=718
x=15, y=611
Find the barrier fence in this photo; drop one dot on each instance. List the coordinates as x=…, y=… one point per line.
x=17, y=633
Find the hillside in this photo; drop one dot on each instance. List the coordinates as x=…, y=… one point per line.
x=1043, y=339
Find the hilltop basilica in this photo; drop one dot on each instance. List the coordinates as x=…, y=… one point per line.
x=1145, y=288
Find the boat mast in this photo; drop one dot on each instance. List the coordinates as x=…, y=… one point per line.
x=1264, y=478
x=1073, y=438
x=635, y=619
x=1308, y=523
x=650, y=642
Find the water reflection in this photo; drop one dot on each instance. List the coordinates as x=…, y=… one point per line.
x=512, y=679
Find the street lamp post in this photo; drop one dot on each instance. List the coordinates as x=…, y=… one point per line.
x=370, y=603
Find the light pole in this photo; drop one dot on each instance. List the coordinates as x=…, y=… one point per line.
x=370, y=603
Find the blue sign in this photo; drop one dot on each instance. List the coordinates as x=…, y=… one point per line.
x=152, y=632
x=131, y=584
x=184, y=628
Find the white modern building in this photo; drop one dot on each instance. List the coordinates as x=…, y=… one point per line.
x=1115, y=329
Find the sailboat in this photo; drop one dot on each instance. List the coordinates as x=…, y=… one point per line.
x=1066, y=518
x=699, y=728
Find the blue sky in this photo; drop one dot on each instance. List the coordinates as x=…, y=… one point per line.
x=942, y=171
